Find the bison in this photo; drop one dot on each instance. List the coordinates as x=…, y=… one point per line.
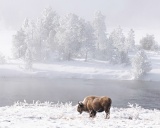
x=94, y=104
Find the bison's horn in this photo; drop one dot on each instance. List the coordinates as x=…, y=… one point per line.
x=80, y=103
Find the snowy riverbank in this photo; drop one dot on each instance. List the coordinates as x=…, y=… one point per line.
x=49, y=115
x=91, y=69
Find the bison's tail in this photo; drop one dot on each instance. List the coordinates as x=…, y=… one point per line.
x=108, y=108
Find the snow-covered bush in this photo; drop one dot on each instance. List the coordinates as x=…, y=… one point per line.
x=2, y=59
x=140, y=64
x=134, y=111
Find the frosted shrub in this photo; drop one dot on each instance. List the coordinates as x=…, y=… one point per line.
x=134, y=111
x=140, y=65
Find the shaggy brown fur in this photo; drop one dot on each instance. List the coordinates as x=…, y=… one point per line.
x=94, y=104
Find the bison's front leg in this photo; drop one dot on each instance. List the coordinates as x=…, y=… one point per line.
x=92, y=113
x=107, y=113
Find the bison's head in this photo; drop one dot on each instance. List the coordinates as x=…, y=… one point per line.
x=80, y=107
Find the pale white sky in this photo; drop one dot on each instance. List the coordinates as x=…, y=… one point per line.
x=126, y=13
x=141, y=15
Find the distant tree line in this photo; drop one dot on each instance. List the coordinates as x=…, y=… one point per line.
x=52, y=37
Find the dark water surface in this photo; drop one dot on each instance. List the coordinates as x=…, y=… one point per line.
x=146, y=94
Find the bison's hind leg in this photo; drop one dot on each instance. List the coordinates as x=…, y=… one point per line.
x=107, y=113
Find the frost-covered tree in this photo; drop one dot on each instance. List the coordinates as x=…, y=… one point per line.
x=130, y=41
x=37, y=36
x=148, y=42
x=19, y=44
x=68, y=36
x=46, y=27
x=140, y=65
x=24, y=38
x=120, y=51
x=118, y=39
x=100, y=33
x=29, y=29
x=50, y=22
x=37, y=44
x=87, y=40
x=111, y=55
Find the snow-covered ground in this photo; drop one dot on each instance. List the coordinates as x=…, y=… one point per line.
x=91, y=69
x=49, y=115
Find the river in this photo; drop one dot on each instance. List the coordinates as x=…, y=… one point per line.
x=146, y=94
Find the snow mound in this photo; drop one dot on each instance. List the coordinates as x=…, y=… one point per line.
x=59, y=115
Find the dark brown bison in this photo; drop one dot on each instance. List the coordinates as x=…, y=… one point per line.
x=94, y=104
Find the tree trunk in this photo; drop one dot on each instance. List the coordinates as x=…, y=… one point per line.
x=86, y=56
x=69, y=56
